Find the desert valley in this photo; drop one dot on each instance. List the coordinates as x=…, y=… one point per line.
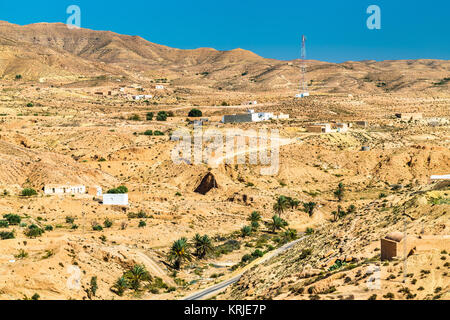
x=86, y=113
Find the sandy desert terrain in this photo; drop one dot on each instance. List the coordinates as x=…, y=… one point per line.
x=68, y=117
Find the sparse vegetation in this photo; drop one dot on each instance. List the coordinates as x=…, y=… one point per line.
x=179, y=252
x=195, y=113
x=28, y=192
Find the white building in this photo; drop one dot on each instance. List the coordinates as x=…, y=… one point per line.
x=443, y=177
x=159, y=87
x=282, y=116
x=302, y=95
x=341, y=127
x=252, y=116
x=64, y=189
x=261, y=116
x=115, y=199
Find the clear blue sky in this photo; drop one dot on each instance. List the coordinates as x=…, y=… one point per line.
x=336, y=30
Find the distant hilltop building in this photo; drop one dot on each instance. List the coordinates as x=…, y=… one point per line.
x=64, y=189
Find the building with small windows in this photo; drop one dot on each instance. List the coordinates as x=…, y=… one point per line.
x=64, y=189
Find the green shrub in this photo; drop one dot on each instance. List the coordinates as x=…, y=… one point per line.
x=48, y=228
x=195, y=113
x=107, y=223
x=21, y=255
x=158, y=133
x=4, y=224
x=247, y=258
x=246, y=231
x=148, y=133
x=4, y=235
x=162, y=116
x=121, y=189
x=28, y=192
x=70, y=219
x=13, y=219
x=142, y=224
x=97, y=227
x=257, y=253
x=33, y=231
x=149, y=116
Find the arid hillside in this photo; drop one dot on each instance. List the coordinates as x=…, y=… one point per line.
x=53, y=52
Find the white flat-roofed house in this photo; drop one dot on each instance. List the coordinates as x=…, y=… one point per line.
x=64, y=189
x=282, y=116
x=261, y=116
x=115, y=199
x=442, y=177
x=341, y=127
x=159, y=87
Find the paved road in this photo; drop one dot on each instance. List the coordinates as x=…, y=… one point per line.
x=222, y=285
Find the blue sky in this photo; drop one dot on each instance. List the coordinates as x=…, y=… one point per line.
x=336, y=30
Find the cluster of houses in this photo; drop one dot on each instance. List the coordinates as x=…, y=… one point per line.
x=252, y=116
x=123, y=92
x=115, y=199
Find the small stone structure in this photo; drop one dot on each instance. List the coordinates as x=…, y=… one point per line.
x=319, y=128
x=393, y=245
x=409, y=116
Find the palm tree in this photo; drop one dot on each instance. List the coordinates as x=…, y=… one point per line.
x=120, y=286
x=255, y=216
x=281, y=205
x=339, y=192
x=246, y=231
x=277, y=223
x=309, y=207
x=137, y=274
x=289, y=235
x=179, y=252
x=203, y=245
x=337, y=214
x=293, y=203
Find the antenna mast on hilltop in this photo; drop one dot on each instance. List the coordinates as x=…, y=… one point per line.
x=303, y=86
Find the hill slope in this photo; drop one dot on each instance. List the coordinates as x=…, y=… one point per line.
x=54, y=52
